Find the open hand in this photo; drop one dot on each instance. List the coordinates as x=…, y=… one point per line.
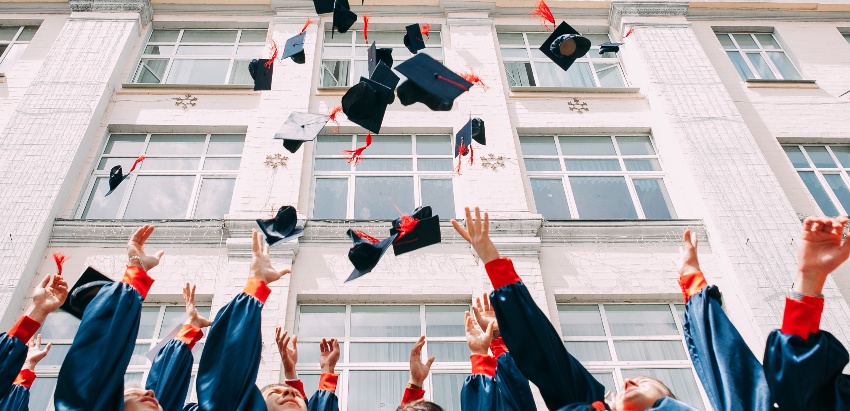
x=192, y=315
x=261, y=265
x=418, y=370
x=35, y=353
x=822, y=250
x=477, y=232
x=136, y=249
x=288, y=355
x=477, y=339
x=329, y=355
x=49, y=295
x=485, y=315
x=688, y=262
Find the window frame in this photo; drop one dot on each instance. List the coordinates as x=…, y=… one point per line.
x=15, y=41
x=763, y=52
x=841, y=170
x=846, y=36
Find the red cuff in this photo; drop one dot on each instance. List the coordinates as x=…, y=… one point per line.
x=189, y=334
x=498, y=347
x=298, y=385
x=483, y=364
x=137, y=278
x=802, y=318
x=327, y=382
x=691, y=284
x=501, y=272
x=24, y=329
x=25, y=378
x=412, y=394
x=257, y=288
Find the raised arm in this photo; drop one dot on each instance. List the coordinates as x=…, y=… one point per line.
x=479, y=390
x=324, y=399
x=18, y=398
x=418, y=373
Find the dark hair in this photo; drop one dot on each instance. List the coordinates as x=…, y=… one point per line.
x=420, y=406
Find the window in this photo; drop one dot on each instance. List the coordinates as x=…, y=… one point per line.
x=823, y=170
x=758, y=56
x=847, y=37
x=341, y=52
x=156, y=323
x=596, y=177
x=397, y=173
x=619, y=341
x=13, y=42
x=526, y=65
x=183, y=176
x=200, y=56
x=375, y=341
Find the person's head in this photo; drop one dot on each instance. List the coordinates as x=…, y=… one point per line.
x=138, y=399
x=281, y=397
x=420, y=405
x=640, y=393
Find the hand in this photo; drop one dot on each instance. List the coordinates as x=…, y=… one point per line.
x=192, y=315
x=261, y=265
x=478, y=234
x=47, y=297
x=35, y=353
x=688, y=254
x=289, y=355
x=419, y=371
x=485, y=315
x=329, y=355
x=821, y=251
x=136, y=248
x=477, y=339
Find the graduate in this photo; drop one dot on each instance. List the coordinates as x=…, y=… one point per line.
x=18, y=398
x=290, y=394
x=803, y=363
x=538, y=349
x=413, y=398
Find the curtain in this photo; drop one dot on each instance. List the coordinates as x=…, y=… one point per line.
x=376, y=390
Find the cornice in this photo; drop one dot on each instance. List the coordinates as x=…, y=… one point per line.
x=143, y=7
x=114, y=233
x=657, y=232
x=645, y=9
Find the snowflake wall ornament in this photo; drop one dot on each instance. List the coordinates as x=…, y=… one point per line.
x=185, y=101
x=493, y=162
x=578, y=105
x=276, y=160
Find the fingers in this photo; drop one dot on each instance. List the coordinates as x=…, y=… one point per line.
x=277, y=335
x=486, y=299
x=470, y=224
x=485, y=230
x=38, y=341
x=808, y=222
x=192, y=294
x=255, y=241
x=295, y=343
x=477, y=221
x=335, y=344
x=46, y=281
x=686, y=237
x=137, y=235
x=266, y=249
x=186, y=293
x=430, y=361
x=417, y=348
x=489, y=330
x=47, y=348
x=324, y=347
x=460, y=230
x=467, y=319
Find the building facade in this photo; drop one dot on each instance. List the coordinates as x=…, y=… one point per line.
x=723, y=117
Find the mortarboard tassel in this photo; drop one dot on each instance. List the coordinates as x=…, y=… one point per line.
x=367, y=237
x=473, y=78
x=452, y=82
x=60, y=259
x=461, y=151
x=629, y=33
x=426, y=30
x=273, y=56
x=334, y=112
x=366, y=29
x=306, y=24
x=407, y=225
x=545, y=14
x=357, y=154
x=135, y=163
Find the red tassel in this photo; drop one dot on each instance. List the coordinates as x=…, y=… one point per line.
x=60, y=259
x=135, y=163
x=452, y=82
x=629, y=33
x=461, y=151
x=407, y=224
x=366, y=29
x=426, y=30
x=545, y=14
x=273, y=56
x=471, y=155
x=306, y=24
x=367, y=237
x=473, y=78
x=357, y=154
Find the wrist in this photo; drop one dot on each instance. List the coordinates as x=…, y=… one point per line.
x=290, y=374
x=37, y=313
x=478, y=351
x=415, y=382
x=328, y=369
x=29, y=366
x=807, y=285
x=136, y=261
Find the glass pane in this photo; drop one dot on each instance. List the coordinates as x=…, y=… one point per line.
x=680, y=381
x=635, y=145
x=587, y=146
x=147, y=324
x=816, y=190
x=519, y=74
x=725, y=41
x=125, y=144
x=239, y=74
x=250, y=51
x=580, y=320
x=847, y=37
x=640, y=319
x=380, y=352
x=388, y=145
x=41, y=392
x=336, y=51
x=209, y=36
x=606, y=379
x=375, y=390
x=331, y=199
x=589, y=350
x=197, y=352
x=740, y=65
x=839, y=189
x=760, y=65
x=383, y=37
x=214, y=199
x=27, y=33
x=536, y=38
x=446, y=390
x=335, y=73
x=767, y=41
x=653, y=198
x=650, y=350
x=133, y=379
x=321, y=321
x=174, y=317
x=433, y=145
x=510, y=38
x=309, y=352
x=138, y=356
x=332, y=145
x=649, y=164
x=253, y=36
x=8, y=33
x=57, y=355
x=540, y=164
x=550, y=75
x=448, y=351
x=798, y=159
x=361, y=69
x=151, y=71
x=820, y=157
x=102, y=206
x=159, y=50
x=784, y=65
x=841, y=152
x=592, y=165
x=508, y=53
x=222, y=163
x=152, y=164
x=164, y=36
x=385, y=164
x=745, y=41
x=538, y=146
x=331, y=164
x=59, y=326
x=337, y=38
x=385, y=321
x=378, y=197
x=311, y=381
x=445, y=321
x=193, y=50
x=226, y=144
x=191, y=71
x=106, y=163
x=602, y=198
x=609, y=74
x=434, y=164
x=160, y=197
x=439, y=194
x=176, y=144
x=550, y=198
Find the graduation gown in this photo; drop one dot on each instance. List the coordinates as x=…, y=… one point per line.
x=731, y=375
x=803, y=364
x=13, y=352
x=324, y=399
x=92, y=375
x=171, y=372
x=503, y=388
x=18, y=398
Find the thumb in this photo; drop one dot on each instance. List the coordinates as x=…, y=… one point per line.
x=430, y=361
x=47, y=348
x=295, y=342
x=490, y=329
x=284, y=272
x=159, y=254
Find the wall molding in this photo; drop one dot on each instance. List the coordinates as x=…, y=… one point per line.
x=143, y=7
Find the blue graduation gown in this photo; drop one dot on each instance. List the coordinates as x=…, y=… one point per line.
x=513, y=388
x=13, y=351
x=17, y=399
x=324, y=399
x=171, y=374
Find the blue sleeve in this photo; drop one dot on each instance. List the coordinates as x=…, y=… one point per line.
x=479, y=393
x=323, y=400
x=806, y=374
x=539, y=351
x=732, y=376
x=235, y=336
x=92, y=375
x=512, y=386
x=13, y=353
x=171, y=374
x=17, y=399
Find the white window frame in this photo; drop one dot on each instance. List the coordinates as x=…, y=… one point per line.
x=846, y=36
x=819, y=172
x=352, y=173
x=760, y=50
x=629, y=176
x=10, y=44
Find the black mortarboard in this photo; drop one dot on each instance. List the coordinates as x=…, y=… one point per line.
x=565, y=45
x=343, y=17
x=472, y=130
x=365, y=104
x=376, y=55
x=116, y=175
x=300, y=127
x=283, y=227
x=430, y=83
x=366, y=252
x=261, y=73
x=323, y=6
x=412, y=234
x=609, y=47
x=84, y=290
x=413, y=39
x=384, y=76
x=294, y=48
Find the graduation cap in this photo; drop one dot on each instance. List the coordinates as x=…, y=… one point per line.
x=294, y=48
x=565, y=45
x=116, y=175
x=261, y=71
x=84, y=291
x=416, y=231
x=300, y=127
x=366, y=103
x=413, y=39
x=366, y=252
x=430, y=83
x=283, y=227
x=384, y=76
x=323, y=6
x=376, y=55
x=473, y=130
x=609, y=47
x=343, y=18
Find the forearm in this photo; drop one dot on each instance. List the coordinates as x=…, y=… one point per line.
x=171, y=372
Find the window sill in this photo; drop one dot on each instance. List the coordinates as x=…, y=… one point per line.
x=536, y=91
x=619, y=231
x=759, y=83
x=331, y=91
x=191, y=87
